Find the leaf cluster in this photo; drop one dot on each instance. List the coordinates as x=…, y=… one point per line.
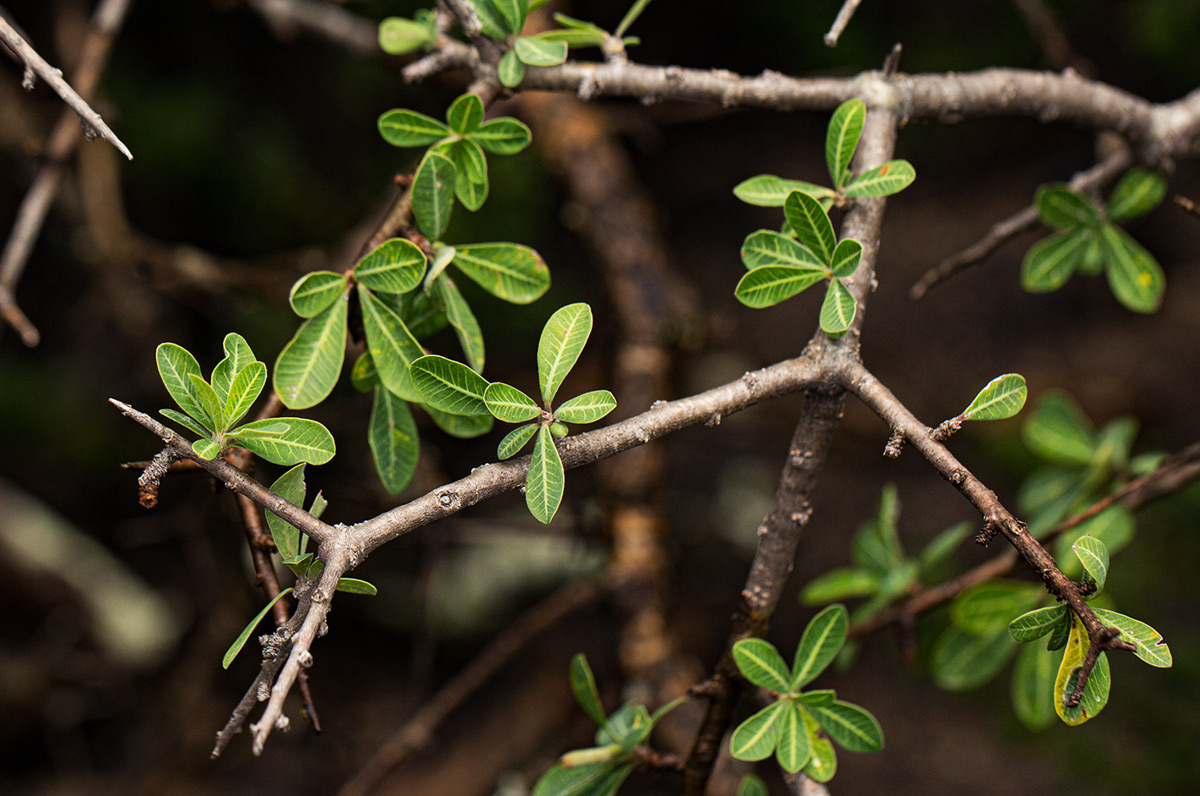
x=212, y=409
x=799, y=725
x=1089, y=240
x=600, y=770
x=783, y=264
x=455, y=389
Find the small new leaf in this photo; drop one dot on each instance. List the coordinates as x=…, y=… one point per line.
x=1062, y=208
x=538, y=51
x=849, y=725
x=395, y=266
x=767, y=247
x=515, y=440
x=465, y=114
x=838, y=308
x=890, y=178
x=1001, y=398
x=315, y=292
x=561, y=343
x=756, y=737
x=244, y=636
x=175, y=366
x=822, y=639
x=545, y=481
x=407, y=128
x=1138, y=192
x=795, y=745
x=509, y=404
x=761, y=664
x=583, y=685
x=433, y=193
x=811, y=223
x=586, y=408
x=772, y=284
x=1034, y=624
x=503, y=136
x=1093, y=554
x=767, y=190
x=845, y=128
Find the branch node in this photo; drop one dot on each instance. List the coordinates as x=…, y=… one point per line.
x=958, y=477
x=990, y=529
x=149, y=480
x=947, y=429
x=895, y=444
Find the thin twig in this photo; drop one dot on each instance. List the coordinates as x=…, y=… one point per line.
x=62, y=141
x=418, y=731
x=339, y=26
x=1003, y=231
x=90, y=121
x=841, y=21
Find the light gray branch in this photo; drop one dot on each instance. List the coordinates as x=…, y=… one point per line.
x=840, y=22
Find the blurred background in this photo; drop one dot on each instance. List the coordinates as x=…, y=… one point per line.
x=257, y=160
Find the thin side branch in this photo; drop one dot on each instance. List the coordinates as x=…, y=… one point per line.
x=1003, y=231
x=841, y=21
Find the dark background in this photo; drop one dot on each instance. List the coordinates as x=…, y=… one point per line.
x=261, y=152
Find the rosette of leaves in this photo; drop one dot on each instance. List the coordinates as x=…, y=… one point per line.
x=212, y=409
x=600, y=770
x=882, y=572
x=841, y=141
x=453, y=388
x=1044, y=686
x=799, y=726
x=1089, y=240
x=292, y=546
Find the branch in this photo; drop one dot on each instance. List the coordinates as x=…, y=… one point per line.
x=779, y=533
x=106, y=20
x=997, y=519
x=62, y=141
x=841, y=21
x=351, y=31
x=1003, y=231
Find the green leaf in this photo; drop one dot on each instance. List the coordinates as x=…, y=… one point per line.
x=823, y=763
x=442, y=257
x=767, y=247
x=210, y=404
x=420, y=312
x=1114, y=527
x=630, y=17
x=840, y=584
x=961, y=661
x=509, y=404
x=1138, y=192
x=989, y=607
x=309, y=365
x=586, y=408
x=398, y=35
x=770, y=284
x=175, y=366
x=794, y=747
x=511, y=72
x=767, y=190
x=1133, y=274
x=508, y=271
x=1060, y=633
x=287, y=537
x=942, y=545
x=244, y=392
x=1034, y=624
x=756, y=737
x=395, y=266
x=846, y=258
x=363, y=374
x=1095, y=692
x=466, y=327
x=1093, y=258
x=503, y=136
x=823, y=696
x=845, y=128
x=1060, y=432
x=823, y=637
x=595, y=754
x=392, y=435
x=465, y=114
x=185, y=421
x=1114, y=442
x=513, y=12
x=356, y=586
x=237, y=356
x=244, y=636
x=627, y=727
x=545, y=481
x=1001, y=398
x=1062, y=208
x=752, y=785
x=461, y=426
x=515, y=440
x=559, y=429
x=471, y=176
x=811, y=224
x=390, y=344
x=433, y=193
x=838, y=308
x=408, y=128
x=315, y=292
x=1033, y=687
x=539, y=51
x=562, y=341
x=849, y=726
x=207, y=449
x=575, y=37
x=583, y=685
x=1094, y=556
x=449, y=386
x=287, y=440
x=1049, y=263
x=595, y=779
x=1149, y=642
x=890, y=178
x=761, y=664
